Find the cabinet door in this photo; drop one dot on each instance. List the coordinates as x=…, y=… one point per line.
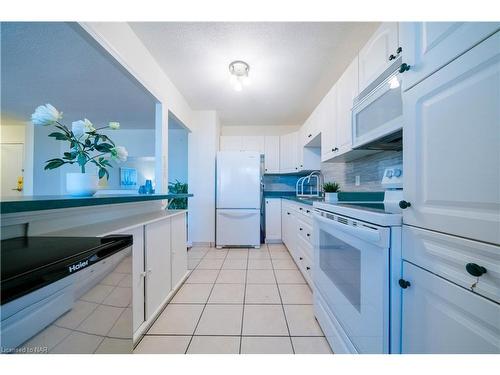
x=347, y=90
x=158, y=265
x=288, y=153
x=329, y=128
x=231, y=143
x=285, y=216
x=273, y=219
x=253, y=143
x=138, y=274
x=452, y=145
x=442, y=318
x=427, y=46
x=374, y=57
x=179, y=248
x=272, y=154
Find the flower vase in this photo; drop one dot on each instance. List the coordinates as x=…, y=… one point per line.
x=81, y=184
x=331, y=197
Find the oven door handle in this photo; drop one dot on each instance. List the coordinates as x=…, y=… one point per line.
x=364, y=234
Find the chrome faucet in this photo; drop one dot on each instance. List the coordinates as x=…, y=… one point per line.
x=307, y=179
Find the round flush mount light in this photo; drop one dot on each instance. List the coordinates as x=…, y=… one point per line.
x=239, y=74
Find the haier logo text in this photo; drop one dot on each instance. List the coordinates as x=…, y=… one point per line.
x=76, y=267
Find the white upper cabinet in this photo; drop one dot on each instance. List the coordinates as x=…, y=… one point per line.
x=328, y=130
x=374, y=57
x=272, y=154
x=288, y=153
x=451, y=147
x=231, y=143
x=253, y=143
x=428, y=46
x=347, y=90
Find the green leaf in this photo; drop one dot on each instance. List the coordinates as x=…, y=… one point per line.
x=70, y=155
x=104, y=147
x=54, y=163
x=102, y=172
x=81, y=159
x=59, y=136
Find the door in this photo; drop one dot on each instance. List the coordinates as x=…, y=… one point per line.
x=238, y=227
x=452, y=147
x=428, y=46
x=138, y=276
x=288, y=153
x=273, y=219
x=178, y=237
x=253, y=143
x=231, y=143
x=374, y=56
x=158, y=265
x=238, y=179
x=440, y=317
x=272, y=154
x=329, y=128
x=347, y=90
x=12, y=165
x=351, y=274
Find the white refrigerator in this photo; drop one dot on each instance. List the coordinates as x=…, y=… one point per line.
x=238, y=199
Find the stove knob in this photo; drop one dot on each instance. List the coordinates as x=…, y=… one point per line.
x=398, y=172
x=404, y=204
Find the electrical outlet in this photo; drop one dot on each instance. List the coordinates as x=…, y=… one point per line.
x=357, y=180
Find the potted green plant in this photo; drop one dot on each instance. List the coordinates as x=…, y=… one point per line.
x=331, y=190
x=178, y=187
x=86, y=146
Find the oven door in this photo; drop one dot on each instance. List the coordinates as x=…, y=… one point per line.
x=378, y=114
x=351, y=260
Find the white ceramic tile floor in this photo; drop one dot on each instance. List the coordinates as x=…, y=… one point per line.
x=253, y=301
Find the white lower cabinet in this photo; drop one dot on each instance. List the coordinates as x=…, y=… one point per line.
x=178, y=237
x=273, y=220
x=440, y=317
x=158, y=265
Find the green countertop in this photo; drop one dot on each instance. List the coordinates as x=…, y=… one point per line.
x=51, y=202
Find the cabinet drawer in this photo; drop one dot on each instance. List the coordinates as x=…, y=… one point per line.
x=306, y=211
x=305, y=266
x=306, y=247
x=304, y=231
x=447, y=256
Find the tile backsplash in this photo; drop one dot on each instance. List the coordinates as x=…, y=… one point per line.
x=370, y=169
x=276, y=182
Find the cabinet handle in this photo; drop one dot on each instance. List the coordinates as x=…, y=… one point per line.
x=308, y=268
x=404, y=204
x=300, y=228
x=403, y=283
x=399, y=50
x=300, y=258
x=308, y=234
x=296, y=168
x=266, y=169
x=475, y=269
x=308, y=211
x=404, y=68
x=300, y=208
x=335, y=149
x=392, y=57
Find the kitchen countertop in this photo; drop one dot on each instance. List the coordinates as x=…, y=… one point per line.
x=50, y=202
x=343, y=196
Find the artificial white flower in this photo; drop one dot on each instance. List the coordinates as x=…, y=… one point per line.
x=80, y=128
x=119, y=153
x=114, y=125
x=45, y=115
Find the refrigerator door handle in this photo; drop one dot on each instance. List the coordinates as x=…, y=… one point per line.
x=239, y=216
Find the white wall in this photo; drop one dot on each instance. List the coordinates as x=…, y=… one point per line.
x=258, y=130
x=203, y=145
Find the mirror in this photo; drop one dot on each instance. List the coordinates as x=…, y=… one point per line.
x=60, y=64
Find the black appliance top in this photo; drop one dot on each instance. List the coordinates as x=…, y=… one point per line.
x=30, y=263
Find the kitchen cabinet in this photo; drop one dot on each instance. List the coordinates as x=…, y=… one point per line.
x=272, y=154
x=253, y=143
x=374, y=56
x=440, y=317
x=178, y=236
x=288, y=153
x=273, y=220
x=138, y=276
x=428, y=46
x=453, y=115
x=328, y=130
x=230, y=143
x=158, y=265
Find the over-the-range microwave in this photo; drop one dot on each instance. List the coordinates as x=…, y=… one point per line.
x=377, y=113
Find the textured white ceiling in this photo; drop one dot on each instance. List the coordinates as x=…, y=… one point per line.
x=59, y=63
x=292, y=64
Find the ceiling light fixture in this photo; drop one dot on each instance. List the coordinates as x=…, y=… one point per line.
x=239, y=74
